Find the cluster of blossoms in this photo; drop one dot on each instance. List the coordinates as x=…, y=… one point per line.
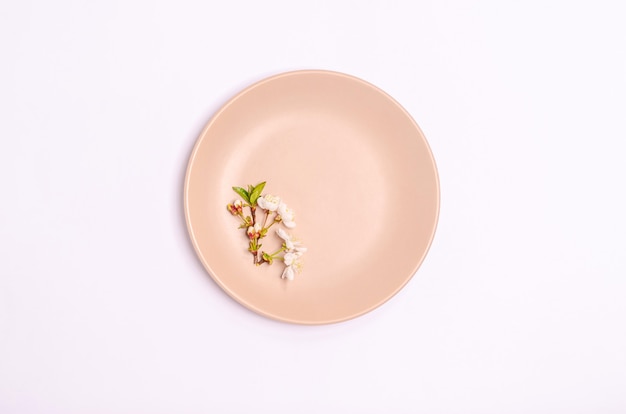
x=257, y=227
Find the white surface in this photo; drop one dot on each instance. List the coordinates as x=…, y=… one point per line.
x=519, y=307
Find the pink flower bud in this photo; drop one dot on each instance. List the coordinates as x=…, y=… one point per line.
x=251, y=232
x=232, y=209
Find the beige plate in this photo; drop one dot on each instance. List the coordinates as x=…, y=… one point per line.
x=352, y=164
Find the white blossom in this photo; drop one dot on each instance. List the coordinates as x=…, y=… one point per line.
x=287, y=215
x=283, y=235
x=290, y=258
x=269, y=202
x=291, y=244
x=293, y=252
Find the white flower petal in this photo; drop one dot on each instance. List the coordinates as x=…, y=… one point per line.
x=289, y=258
x=261, y=202
x=283, y=234
x=282, y=207
x=288, y=273
x=269, y=202
x=287, y=215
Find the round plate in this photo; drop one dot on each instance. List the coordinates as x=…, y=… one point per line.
x=351, y=163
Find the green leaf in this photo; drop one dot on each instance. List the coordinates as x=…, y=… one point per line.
x=260, y=186
x=256, y=193
x=242, y=193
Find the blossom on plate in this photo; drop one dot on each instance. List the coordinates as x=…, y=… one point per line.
x=256, y=228
x=293, y=252
x=293, y=265
x=287, y=215
x=269, y=202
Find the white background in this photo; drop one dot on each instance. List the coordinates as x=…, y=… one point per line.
x=520, y=306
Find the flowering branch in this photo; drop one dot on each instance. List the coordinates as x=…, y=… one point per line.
x=253, y=199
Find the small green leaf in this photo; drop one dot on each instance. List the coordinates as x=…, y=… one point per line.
x=256, y=193
x=259, y=187
x=250, y=188
x=242, y=193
